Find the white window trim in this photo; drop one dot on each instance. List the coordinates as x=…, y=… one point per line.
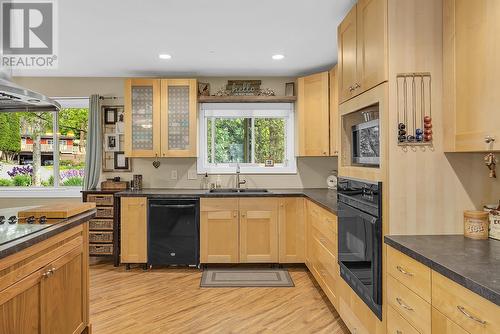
x=248, y=110
x=40, y=192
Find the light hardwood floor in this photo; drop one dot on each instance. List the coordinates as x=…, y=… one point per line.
x=171, y=301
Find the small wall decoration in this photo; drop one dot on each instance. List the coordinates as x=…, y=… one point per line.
x=112, y=142
x=290, y=89
x=203, y=89
x=243, y=87
x=120, y=124
x=121, y=161
x=110, y=115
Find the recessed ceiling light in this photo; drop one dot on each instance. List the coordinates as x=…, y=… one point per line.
x=278, y=57
x=164, y=56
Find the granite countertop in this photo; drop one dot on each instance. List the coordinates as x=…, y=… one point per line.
x=12, y=240
x=474, y=264
x=326, y=198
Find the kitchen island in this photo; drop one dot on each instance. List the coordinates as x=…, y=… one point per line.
x=44, y=282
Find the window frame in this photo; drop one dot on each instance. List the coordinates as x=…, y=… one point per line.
x=56, y=191
x=247, y=110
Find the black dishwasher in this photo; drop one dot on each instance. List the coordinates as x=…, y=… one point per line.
x=173, y=233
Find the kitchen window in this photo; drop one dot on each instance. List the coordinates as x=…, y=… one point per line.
x=43, y=151
x=257, y=136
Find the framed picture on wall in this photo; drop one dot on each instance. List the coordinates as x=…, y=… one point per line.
x=111, y=142
x=290, y=89
x=121, y=161
x=110, y=115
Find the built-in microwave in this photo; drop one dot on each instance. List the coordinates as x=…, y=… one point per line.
x=366, y=143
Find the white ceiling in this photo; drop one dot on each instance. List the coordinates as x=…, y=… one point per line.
x=205, y=38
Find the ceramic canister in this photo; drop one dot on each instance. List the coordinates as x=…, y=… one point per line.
x=476, y=224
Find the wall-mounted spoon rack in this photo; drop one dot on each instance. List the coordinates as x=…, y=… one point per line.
x=414, y=109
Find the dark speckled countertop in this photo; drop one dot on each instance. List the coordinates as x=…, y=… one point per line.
x=324, y=197
x=474, y=264
x=37, y=233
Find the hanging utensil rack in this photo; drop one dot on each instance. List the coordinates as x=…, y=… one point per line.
x=414, y=109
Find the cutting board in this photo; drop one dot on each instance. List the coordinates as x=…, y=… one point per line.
x=59, y=210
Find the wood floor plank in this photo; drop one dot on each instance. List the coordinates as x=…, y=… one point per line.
x=171, y=301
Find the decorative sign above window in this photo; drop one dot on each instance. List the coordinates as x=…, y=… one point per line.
x=244, y=88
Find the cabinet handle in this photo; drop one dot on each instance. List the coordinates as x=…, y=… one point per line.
x=243, y=215
x=357, y=85
x=489, y=139
x=49, y=272
x=404, y=272
x=403, y=305
x=470, y=316
x=351, y=89
x=235, y=214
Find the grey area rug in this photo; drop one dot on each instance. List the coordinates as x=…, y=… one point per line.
x=234, y=278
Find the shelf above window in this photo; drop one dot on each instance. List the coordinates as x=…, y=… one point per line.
x=245, y=99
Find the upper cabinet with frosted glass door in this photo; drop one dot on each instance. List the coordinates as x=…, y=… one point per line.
x=142, y=117
x=178, y=117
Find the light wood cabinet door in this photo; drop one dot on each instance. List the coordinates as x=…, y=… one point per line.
x=471, y=71
x=219, y=232
x=442, y=325
x=134, y=230
x=20, y=306
x=334, y=113
x=142, y=118
x=63, y=295
x=178, y=117
x=347, y=57
x=371, y=49
x=313, y=115
x=292, y=231
x=258, y=230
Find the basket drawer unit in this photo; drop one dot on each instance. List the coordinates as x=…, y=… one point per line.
x=414, y=275
x=467, y=309
x=101, y=249
x=409, y=305
x=100, y=237
x=104, y=212
x=101, y=224
x=101, y=199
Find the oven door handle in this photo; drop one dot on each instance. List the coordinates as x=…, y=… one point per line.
x=364, y=215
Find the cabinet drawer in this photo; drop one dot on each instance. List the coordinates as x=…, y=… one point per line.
x=104, y=212
x=321, y=219
x=443, y=325
x=326, y=263
x=469, y=310
x=101, y=224
x=329, y=242
x=413, y=274
x=101, y=199
x=101, y=249
x=99, y=237
x=396, y=324
x=412, y=307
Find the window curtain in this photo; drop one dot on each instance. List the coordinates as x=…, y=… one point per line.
x=93, y=154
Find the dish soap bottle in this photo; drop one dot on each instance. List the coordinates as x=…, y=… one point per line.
x=218, y=182
x=205, y=184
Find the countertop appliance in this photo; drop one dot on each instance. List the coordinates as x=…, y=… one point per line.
x=174, y=232
x=360, y=239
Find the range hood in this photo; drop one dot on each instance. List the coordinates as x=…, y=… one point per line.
x=14, y=98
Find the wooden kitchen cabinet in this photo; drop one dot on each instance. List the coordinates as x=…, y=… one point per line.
x=44, y=288
x=443, y=325
x=134, y=230
x=160, y=118
x=292, y=230
x=334, y=112
x=178, y=117
x=258, y=230
x=471, y=69
x=219, y=230
x=142, y=118
x=362, y=48
x=313, y=115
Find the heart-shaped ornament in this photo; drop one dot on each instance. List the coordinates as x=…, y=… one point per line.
x=156, y=163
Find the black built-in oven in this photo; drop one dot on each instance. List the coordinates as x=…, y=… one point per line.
x=360, y=239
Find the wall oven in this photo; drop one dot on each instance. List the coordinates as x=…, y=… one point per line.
x=360, y=239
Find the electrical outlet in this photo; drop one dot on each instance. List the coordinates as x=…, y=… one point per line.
x=173, y=174
x=192, y=175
